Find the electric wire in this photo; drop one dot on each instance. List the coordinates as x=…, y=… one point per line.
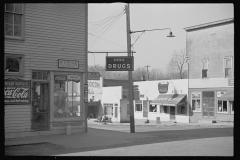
x=102, y=32
x=100, y=28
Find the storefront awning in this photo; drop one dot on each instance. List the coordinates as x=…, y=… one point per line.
x=228, y=96
x=169, y=99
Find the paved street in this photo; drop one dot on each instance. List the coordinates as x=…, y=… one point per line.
x=106, y=140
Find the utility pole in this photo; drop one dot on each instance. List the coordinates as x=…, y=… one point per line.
x=130, y=94
x=147, y=71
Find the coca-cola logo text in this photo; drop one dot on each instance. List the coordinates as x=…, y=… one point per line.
x=16, y=93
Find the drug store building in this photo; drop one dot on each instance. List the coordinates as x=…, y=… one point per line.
x=45, y=56
x=210, y=49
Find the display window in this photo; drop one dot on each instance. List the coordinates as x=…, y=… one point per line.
x=66, y=96
x=196, y=101
x=153, y=108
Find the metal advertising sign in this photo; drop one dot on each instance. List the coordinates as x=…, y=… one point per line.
x=163, y=88
x=230, y=82
x=93, y=76
x=119, y=63
x=17, y=91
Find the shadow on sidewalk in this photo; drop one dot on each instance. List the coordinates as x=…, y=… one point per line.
x=97, y=139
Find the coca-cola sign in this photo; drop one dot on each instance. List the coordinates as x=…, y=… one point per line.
x=17, y=92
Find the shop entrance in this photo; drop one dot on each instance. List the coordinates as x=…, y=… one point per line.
x=40, y=106
x=208, y=104
x=172, y=113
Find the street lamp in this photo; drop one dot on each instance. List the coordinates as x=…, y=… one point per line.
x=129, y=45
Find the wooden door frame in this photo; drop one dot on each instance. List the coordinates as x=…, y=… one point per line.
x=48, y=110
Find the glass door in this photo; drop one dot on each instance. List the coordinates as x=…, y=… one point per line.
x=40, y=106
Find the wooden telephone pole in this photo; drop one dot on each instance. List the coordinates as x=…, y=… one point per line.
x=147, y=71
x=130, y=95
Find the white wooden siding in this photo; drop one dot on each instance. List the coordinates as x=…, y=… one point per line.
x=52, y=32
x=17, y=118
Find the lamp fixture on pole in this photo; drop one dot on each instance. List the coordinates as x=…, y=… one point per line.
x=143, y=31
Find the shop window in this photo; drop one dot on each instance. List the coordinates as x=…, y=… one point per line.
x=128, y=110
x=204, y=68
x=222, y=107
x=164, y=109
x=39, y=75
x=231, y=104
x=66, y=96
x=138, y=106
x=14, y=64
x=196, y=102
x=153, y=108
x=13, y=20
x=228, y=67
x=108, y=109
x=182, y=109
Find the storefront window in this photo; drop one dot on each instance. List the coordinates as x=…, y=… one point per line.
x=153, y=108
x=108, y=108
x=138, y=106
x=182, y=109
x=222, y=105
x=164, y=109
x=196, y=102
x=66, y=96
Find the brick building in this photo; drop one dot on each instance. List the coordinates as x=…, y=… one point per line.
x=210, y=48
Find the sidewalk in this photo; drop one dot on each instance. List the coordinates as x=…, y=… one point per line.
x=102, y=137
x=162, y=123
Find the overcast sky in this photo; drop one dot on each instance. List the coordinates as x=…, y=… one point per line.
x=152, y=48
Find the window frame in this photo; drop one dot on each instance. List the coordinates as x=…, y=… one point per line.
x=202, y=61
x=197, y=92
x=217, y=92
x=21, y=65
x=137, y=103
x=66, y=89
x=224, y=66
x=23, y=24
x=180, y=106
x=231, y=107
x=153, y=109
x=162, y=109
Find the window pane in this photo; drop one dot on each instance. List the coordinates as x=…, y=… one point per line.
x=44, y=75
x=204, y=64
x=153, y=108
x=204, y=73
x=224, y=106
x=9, y=7
x=228, y=63
x=18, y=19
x=9, y=30
x=34, y=75
x=9, y=18
x=220, y=109
x=18, y=8
x=12, y=64
x=17, y=31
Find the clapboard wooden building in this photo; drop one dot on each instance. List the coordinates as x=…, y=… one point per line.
x=45, y=57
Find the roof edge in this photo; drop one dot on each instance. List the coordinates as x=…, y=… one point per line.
x=204, y=25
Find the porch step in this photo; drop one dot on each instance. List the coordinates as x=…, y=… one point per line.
x=206, y=121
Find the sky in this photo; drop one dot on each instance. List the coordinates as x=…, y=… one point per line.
x=153, y=48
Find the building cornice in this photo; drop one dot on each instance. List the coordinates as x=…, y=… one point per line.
x=211, y=24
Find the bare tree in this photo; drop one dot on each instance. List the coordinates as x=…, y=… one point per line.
x=177, y=66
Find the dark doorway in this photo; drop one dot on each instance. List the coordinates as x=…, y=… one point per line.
x=172, y=113
x=40, y=106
